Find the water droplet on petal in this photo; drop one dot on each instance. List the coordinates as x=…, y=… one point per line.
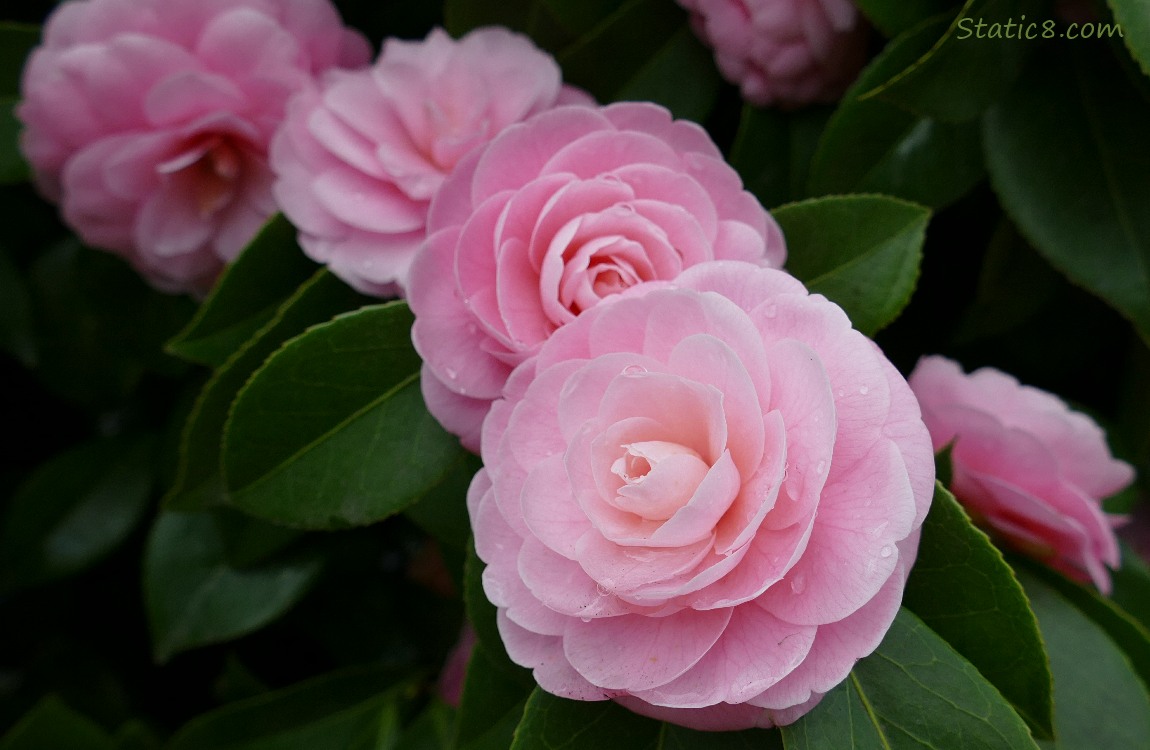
x=821, y=468
x=864, y=390
x=451, y=374
x=840, y=392
x=886, y=551
x=798, y=583
x=585, y=619
x=634, y=370
x=601, y=590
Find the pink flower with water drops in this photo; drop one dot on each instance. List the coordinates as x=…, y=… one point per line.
x=148, y=121
x=701, y=500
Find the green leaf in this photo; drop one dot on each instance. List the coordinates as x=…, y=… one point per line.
x=963, y=589
x=358, y=709
x=893, y=17
x=1094, y=200
x=871, y=145
x=553, y=723
x=861, y=251
x=491, y=706
x=773, y=151
x=431, y=730
x=914, y=691
x=75, y=509
x=16, y=41
x=16, y=328
x=332, y=431
x=196, y=596
x=51, y=725
x=1132, y=17
x=199, y=481
x=1098, y=700
x=1127, y=632
x=962, y=74
x=681, y=76
x=13, y=168
x=246, y=296
x=1132, y=587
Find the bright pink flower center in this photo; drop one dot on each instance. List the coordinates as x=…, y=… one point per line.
x=210, y=166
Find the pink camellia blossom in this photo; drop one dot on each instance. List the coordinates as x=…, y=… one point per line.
x=783, y=52
x=1025, y=465
x=701, y=500
x=360, y=156
x=574, y=205
x=148, y=121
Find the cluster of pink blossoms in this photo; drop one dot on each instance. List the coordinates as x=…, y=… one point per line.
x=702, y=488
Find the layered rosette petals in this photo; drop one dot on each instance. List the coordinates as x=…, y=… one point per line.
x=557, y=213
x=1025, y=465
x=701, y=500
x=360, y=155
x=149, y=121
x=783, y=52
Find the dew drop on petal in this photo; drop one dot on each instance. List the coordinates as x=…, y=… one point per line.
x=886, y=551
x=634, y=370
x=451, y=374
x=864, y=390
x=798, y=583
x=601, y=590
x=821, y=468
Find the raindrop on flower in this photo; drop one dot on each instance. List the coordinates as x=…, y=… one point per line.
x=864, y=390
x=798, y=583
x=821, y=468
x=634, y=370
x=886, y=551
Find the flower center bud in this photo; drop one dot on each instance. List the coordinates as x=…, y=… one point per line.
x=659, y=478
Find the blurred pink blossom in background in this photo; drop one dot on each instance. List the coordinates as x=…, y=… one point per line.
x=148, y=121
x=361, y=154
x=786, y=53
x=1026, y=465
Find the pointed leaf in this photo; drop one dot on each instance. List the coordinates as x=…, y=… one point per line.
x=332, y=431
x=681, y=76
x=963, y=589
x=914, y=692
x=1095, y=200
x=773, y=151
x=196, y=596
x=246, y=296
x=1099, y=702
x=871, y=145
x=75, y=509
x=553, y=723
x=199, y=482
x=492, y=704
x=861, y=251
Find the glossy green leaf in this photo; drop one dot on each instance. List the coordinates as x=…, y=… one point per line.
x=1132, y=587
x=195, y=595
x=359, y=709
x=17, y=335
x=13, y=168
x=913, y=692
x=962, y=74
x=332, y=431
x=861, y=251
x=1131, y=15
x=75, y=509
x=1094, y=193
x=1131, y=635
x=491, y=706
x=773, y=151
x=681, y=76
x=431, y=730
x=551, y=723
x=963, y=589
x=16, y=41
x=199, y=481
x=1099, y=701
x=893, y=17
x=246, y=296
x=52, y=725
x=871, y=145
